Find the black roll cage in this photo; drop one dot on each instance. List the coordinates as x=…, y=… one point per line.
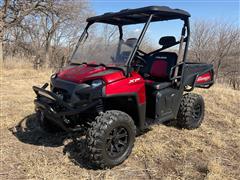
x=185, y=31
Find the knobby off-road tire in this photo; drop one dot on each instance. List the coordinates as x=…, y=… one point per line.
x=191, y=111
x=110, y=139
x=47, y=125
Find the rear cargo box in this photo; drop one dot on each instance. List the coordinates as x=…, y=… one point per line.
x=198, y=75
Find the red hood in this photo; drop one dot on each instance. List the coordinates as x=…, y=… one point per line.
x=79, y=74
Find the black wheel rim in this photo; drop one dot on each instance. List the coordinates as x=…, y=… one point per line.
x=117, y=142
x=197, y=113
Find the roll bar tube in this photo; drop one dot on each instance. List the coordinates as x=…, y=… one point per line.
x=138, y=43
x=187, y=24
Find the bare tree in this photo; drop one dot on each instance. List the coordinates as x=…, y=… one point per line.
x=201, y=45
x=226, y=37
x=13, y=12
x=44, y=28
x=217, y=43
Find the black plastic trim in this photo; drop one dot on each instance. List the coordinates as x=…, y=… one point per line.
x=141, y=108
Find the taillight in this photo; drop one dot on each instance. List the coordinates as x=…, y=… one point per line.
x=204, y=78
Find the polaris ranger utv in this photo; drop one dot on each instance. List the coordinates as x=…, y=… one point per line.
x=110, y=99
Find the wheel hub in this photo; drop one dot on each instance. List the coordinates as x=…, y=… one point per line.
x=117, y=142
x=197, y=111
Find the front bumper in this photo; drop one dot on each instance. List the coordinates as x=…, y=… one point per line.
x=56, y=109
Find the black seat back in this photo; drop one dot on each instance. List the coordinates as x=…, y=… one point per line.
x=169, y=57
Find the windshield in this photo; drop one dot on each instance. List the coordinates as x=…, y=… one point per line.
x=102, y=44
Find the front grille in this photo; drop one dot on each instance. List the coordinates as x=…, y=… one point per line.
x=62, y=93
x=74, y=93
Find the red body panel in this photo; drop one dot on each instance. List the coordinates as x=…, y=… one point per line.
x=116, y=82
x=79, y=74
x=133, y=84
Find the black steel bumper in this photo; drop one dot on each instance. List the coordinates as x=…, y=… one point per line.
x=46, y=103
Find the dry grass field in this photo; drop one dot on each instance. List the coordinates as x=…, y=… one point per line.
x=165, y=152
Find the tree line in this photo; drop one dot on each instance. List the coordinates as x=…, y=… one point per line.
x=43, y=30
x=217, y=43
x=47, y=31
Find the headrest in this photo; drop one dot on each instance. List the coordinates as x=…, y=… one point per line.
x=131, y=42
x=167, y=41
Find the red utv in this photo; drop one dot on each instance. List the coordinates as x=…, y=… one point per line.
x=110, y=99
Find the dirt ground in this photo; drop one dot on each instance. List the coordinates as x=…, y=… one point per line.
x=165, y=152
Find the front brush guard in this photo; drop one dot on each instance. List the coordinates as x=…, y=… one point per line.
x=44, y=101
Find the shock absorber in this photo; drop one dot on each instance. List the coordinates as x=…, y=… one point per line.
x=99, y=106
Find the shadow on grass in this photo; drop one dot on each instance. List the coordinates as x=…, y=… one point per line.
x=28, y=131
x=170, y=123
x=77, y=153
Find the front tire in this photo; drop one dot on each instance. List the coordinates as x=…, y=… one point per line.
x=110, y=138
x=191, y=111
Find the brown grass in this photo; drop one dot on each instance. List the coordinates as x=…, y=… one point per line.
x=165, y=152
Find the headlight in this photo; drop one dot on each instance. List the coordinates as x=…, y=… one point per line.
x=96, y=83
x=54, y=75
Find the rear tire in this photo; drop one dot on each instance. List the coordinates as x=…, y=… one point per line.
x=191, y=111
x=110, y=139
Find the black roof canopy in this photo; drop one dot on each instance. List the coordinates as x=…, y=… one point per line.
x=140, y=15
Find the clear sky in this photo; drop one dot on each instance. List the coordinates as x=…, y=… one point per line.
x=226, y=10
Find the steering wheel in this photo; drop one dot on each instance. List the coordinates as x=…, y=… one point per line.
x=139, y=62
x=140, y=58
